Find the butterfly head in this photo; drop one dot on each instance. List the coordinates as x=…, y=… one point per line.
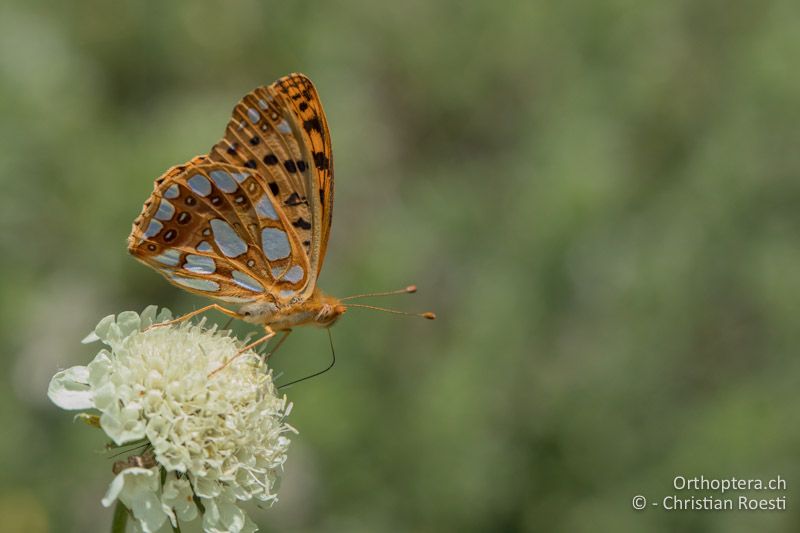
x=328, y=311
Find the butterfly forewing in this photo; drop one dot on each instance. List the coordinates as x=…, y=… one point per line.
x=311, y=126
x=217, y=230
x=280, y=131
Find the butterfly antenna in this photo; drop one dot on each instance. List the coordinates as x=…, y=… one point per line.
x=315, y=374
x=428, y=314
x=408, y=290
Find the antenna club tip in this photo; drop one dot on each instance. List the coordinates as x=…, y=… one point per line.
x=429, y=315
x=411, y=289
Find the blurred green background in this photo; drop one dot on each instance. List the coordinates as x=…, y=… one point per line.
x=599, y=199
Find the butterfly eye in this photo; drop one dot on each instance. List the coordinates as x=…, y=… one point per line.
x=247, y=313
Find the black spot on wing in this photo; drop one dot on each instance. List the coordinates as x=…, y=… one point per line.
x=312, y=124
x=321, y=161
x=301, y=223
x=294, y=199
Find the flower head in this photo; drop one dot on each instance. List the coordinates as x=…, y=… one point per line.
x=219, y=439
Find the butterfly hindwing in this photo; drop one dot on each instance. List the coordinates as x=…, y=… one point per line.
x=280, y=132
x=217, y=230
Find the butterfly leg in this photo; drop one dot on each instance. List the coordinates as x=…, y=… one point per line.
x=277, y=345
x=187, y=316
x=269, y=334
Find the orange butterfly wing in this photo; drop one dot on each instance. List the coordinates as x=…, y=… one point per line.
x=281, y=132
x=262, y=231
x=216, y=230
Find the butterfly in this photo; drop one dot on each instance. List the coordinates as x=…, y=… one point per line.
x=248, y=223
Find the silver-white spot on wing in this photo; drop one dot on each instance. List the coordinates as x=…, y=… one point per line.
x=200, y=264
x=265, y=209
x=165, y=210
x=172, y=192
x=253, y=115
x=200, y=185
x=198, y=284
x=275, y=243
x=236, y=299
x=293, y=275
x=226, y=238
x=169, y=257
x=204, y=246
x=247, y=282
x=153, y=228
x=224, y=181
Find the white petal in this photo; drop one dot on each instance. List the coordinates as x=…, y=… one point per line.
x=99, y=369
x=206, y=488
x=69, y=389
x=176, y=499
x=164, y=315
x=101, y=330
x=137, y=488
x=128, y=322
x=113, y=334
x=113, y=490
x=228, y=518
x=90, y=338
x=148, y=316
x=122, y=425
x=105, y=397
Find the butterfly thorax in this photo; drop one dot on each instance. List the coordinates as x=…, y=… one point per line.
x=319, y=310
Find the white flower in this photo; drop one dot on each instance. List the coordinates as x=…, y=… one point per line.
x=220, y=439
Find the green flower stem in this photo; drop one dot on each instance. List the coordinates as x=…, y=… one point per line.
x=120, y=521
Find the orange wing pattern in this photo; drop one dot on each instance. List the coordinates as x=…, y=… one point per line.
x=249, y=221
x=216, y=230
